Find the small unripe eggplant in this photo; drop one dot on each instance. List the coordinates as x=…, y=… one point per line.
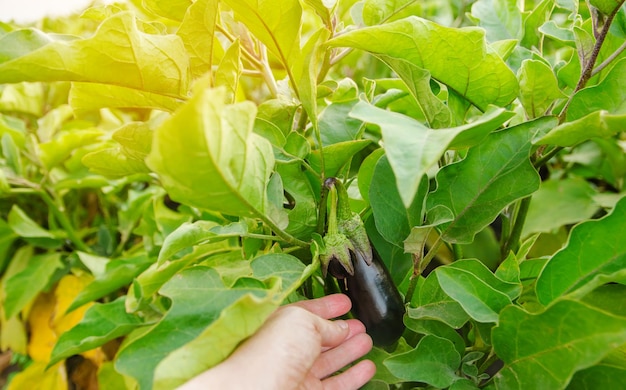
x=375, y=299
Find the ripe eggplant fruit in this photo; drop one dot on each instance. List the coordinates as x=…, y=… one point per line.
x=375, y=299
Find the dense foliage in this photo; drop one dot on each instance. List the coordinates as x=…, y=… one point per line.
x=162, y=166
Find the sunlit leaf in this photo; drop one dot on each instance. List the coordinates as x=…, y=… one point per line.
x=459, y=58
x=412, y=148
x=538, y=87
x=207, y=156
x=197, y=31
x=119, y=54
x=229, y=70
x=92, y=96
x=500, y=19
x=54, y=378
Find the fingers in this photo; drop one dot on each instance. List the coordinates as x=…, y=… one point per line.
x=353, y=378
x=334, y=359
x=330, y=306
x=355, y=327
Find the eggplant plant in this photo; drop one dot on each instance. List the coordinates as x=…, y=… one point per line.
x=171, y=170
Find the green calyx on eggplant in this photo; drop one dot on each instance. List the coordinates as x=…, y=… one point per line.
x=348, y=256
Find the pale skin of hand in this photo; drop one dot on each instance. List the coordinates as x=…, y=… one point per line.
x=297, y=348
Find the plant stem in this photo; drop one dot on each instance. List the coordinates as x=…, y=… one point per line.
x=513, y=242
x=64, y=222
x=606, y=62
x=545, y=158
x=332, y=216
x=419, y=265
x=288, y=238
x=587, y=71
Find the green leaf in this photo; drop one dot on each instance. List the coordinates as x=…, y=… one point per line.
x=235, y=323
x=558, y=203
x=599, y=124
x=418, y=81
x=609, y=95
x=65, y=143
x=207, y=156
x=439, y=329
x=135, y=139
x=197, y=32
x=549, y=347
x=595, y=248
x=173, y=9
x=434, y=361
x=229, y=70
x=606, y=6
x=532, y=21
x=481, y=293
x=413, y=148
x=118, y=53
x=538, y=87
x=459, y=58
x=28, y=229
x=500, y=19
x=336, y=125
x=117, y=274
x=100, y=324
x=20, y=289
x=433, y=303
x=113, y=163
x=190, y=234
x=494, y=174
x=379, y=355
x=393, y=220
x=366, y=173
x=277, y=27
x=336, y=156
x=198, y=298
x=287, y=267
x=383, y=11
x=601, y=376
x=93, y=96
x=303, y=217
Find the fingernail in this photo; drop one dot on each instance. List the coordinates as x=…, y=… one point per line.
x=342, y=324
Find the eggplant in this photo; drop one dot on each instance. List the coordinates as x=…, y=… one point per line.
x=375, y=299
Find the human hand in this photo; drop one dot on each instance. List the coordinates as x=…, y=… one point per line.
x=298, y=347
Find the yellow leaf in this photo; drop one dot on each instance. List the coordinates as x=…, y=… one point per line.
x=36, y=376
x=42, y=337
x=66, y=291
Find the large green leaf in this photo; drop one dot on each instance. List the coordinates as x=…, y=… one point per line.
x=101, y=323
x=595, y=248
x=434, y=361
x=538, y=87
x=432, y=303
x=119, y=53
x=459, y=58
x=549, y=347
x=558, y=203
x=608, y=95
x=382, y=11
x=494, y=174
x=92, y=96
x=236, y=322
x=197, y=32
x=277, y=27
x=481, y=293
x=412, y=148
x=117, y=274
x=500, y=19
x=207, y=156
x=393, y=220
x=20, y=289
x=198, y=298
